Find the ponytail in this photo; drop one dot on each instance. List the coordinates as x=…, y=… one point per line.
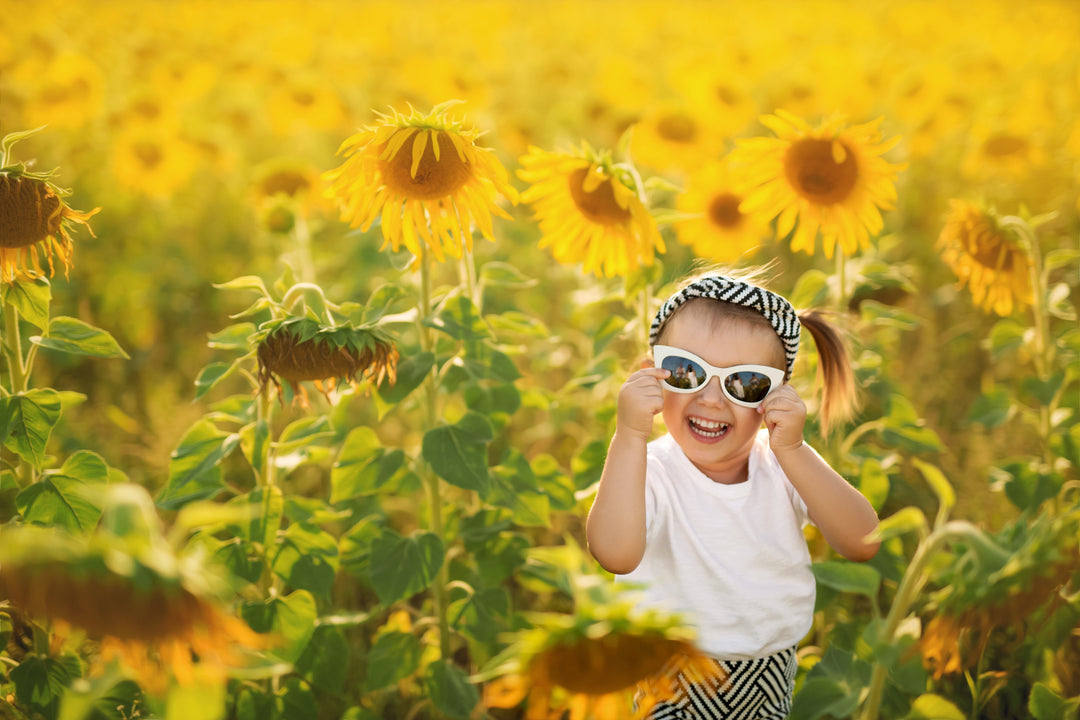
x=834, y=370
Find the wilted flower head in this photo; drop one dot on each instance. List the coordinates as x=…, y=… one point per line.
x=425, y=177
x=302, y=350
x=34, y=218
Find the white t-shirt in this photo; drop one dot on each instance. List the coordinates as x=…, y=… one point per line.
x=731, y=558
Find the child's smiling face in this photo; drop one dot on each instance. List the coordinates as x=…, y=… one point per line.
x=716, y=434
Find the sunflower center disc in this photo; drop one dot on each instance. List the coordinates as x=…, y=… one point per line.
x=29, y=212
x=724, y=210
x=434, y=178
x=1005, y=146
x=599, y=206
x=815, y=174
x=677, y=128
x=988, y=248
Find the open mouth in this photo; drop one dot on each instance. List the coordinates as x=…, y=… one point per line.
x=707, y=428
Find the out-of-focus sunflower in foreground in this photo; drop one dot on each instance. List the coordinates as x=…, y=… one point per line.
x=986, y=257
x=609, y=660
x=157, y=612
x=717, y=228
x=829, y=179
x=425, y=177
x=591, y=210
x=34, y=218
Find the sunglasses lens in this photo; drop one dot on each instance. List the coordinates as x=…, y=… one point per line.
x=748, y=386
x=685, y=374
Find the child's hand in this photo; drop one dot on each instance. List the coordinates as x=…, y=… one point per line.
x=640, y=399
x=785, y=416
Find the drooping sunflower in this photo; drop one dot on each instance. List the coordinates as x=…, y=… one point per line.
x=425, y=177
x=830, y=180
x=594, y=661
x=591, y=210
x=985, y=257
x=717, y=229
x=300, y=350
x=159, y=613
x=34, y=219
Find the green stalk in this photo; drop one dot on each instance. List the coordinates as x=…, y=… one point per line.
x=19, y=374
x=841, y=279
x=1044, y=349
x=303, y=248
x=915, y=577
x=430, y=479
x=13, y=350
x=264, y=415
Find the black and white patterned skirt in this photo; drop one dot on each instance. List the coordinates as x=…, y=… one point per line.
x=758, y=689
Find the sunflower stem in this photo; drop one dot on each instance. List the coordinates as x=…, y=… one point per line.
x=430, y=479
x=302, y=234
x=1044, y=349
x=13, y=350
x=841, y=280
x=915, y=577
x=264, y=417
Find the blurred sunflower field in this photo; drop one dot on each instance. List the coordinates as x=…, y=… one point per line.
x=315, y=314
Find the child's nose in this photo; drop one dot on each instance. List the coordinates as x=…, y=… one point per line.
x=712, y=392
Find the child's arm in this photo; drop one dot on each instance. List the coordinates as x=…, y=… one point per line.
x=840, y=511
x=616, y=525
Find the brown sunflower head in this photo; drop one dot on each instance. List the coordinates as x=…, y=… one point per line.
x=34, y=219
x=300, y=350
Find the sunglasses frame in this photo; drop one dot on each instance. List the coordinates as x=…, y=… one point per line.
x=663, y=352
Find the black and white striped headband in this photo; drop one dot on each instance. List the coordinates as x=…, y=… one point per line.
x=776, y=309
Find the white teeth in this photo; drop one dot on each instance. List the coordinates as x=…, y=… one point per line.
x=709, y=428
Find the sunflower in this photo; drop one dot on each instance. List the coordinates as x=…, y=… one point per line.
x=830, y=179
x=153, y=160
x=590, y=210
x=157, y=613
x=597, y=661
x=674, y=138
x=302, y=350
x=986, y=258
x=34, y=219
x=718, y=229
x=425, y=177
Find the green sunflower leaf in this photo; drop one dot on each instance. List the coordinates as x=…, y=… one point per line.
x=58, y=500
x=307, y=558
x=31, y=298
x=394, y=656
x=459, y=319
x=450, y=691
x=29, y=419
x=194, y=468
x=403, y=566
x=363, y=467
x=70, y=335
x=458, y=453
x=289, y=619
x=848, y=577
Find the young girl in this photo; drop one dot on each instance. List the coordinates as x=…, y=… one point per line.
x=709, y=518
